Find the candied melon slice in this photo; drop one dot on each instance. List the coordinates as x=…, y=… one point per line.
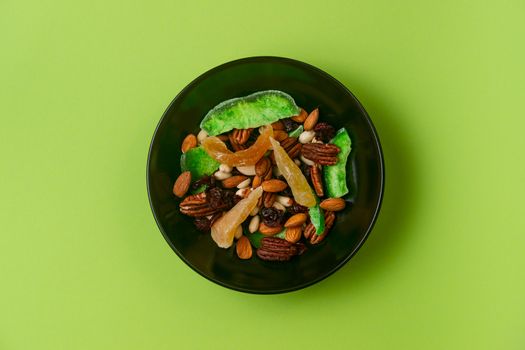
x=224, y=228
x=218, y=150
x=302, y=192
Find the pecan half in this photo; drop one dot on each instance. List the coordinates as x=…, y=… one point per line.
x=324, y=154
x=317, y=180
x=241, y=136
x=309, y=231
x=268, y=199
x=292, y=146
x=199, y=205
x=277, y=249
x=233, y=142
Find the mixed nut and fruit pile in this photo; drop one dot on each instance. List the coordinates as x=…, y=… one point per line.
x=266, y=173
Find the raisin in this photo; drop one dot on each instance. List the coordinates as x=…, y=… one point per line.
x=215, y=196
x=202, y=223
x=206, y=180
x=289, y=124
x=324, y=132
x=272, y=217
x=297, y=208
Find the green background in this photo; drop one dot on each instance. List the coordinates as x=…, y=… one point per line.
x=83, y=85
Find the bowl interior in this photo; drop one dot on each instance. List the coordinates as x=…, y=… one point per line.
x=310, y=87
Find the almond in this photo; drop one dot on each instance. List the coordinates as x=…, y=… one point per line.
x=268, y=230
x=333, y=204
x=296, y=220
x=233, y=181
x=280, y=135
x=262, y=166
x=274, y=185
x=182, y=184
x=293, y=234
x=301, y=117
x=244, y=248
x=188, y=143
x=256, y=181
x=312, y=119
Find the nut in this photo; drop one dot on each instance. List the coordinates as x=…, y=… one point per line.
x=286, y=201
x=241, y=136
x=278, y=125
x=278, y=206
x=309, y=231
x=244, y=248
x=254, y=223
x=277, y=249
x=268, y=230
x=202, y=135
x=197, y=205
x=324, y=154
x=280, y=135
x=274, y=185
x=225, y=168
x=233, y=181
x=223, y=137
x=262, y=166
x=188, y=143
x=244, y=184
x=267, y=199
x=296, y=220
x=333, y=204
x=306, y=136
x=301, y=117
x=306, y=161
x=294, y=151
x=248, y=170
x=311, y=120
x=257, y=181
x=238, y=232
x=219, y=175
x=317, y=180
x=243, y=192
x=293, y=234
x=182, y=184
x=233, y=142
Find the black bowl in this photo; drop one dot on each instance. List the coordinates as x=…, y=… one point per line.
x=310, y=87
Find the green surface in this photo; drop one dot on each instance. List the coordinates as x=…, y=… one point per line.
x=252, y=111
x=82, y=263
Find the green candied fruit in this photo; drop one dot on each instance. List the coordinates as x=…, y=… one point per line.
x=252, y=111
x=335, y=175
x=296, y=132
x=317, y=218
x=198, y=162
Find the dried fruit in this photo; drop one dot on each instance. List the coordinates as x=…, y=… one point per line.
x=324, y=154
x=333, y=204
x=324, y=131
x=296, y=220
x=198, y=162
x=274, y=185
x=293, y=234
x=289, y=125
x=250, y=156
x=233, y=181
x=335, y=175
x=224, y=228
x=272, y=217
x=260, y=108
x=311, y=120
x=297, y=208
x=182, y=184
x=301, y=190
x=188, y=143
x=317, y=180
x=244, y=248
x=202, y=223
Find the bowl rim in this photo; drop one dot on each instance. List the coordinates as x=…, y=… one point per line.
x=374, y=135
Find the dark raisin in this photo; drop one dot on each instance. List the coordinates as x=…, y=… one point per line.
x=209, y=181
x=272, y=217
x=203, y=223
x=286, y=192
x=289, y=125
x=297, y=208
x=215, y=197
x=324, y=132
